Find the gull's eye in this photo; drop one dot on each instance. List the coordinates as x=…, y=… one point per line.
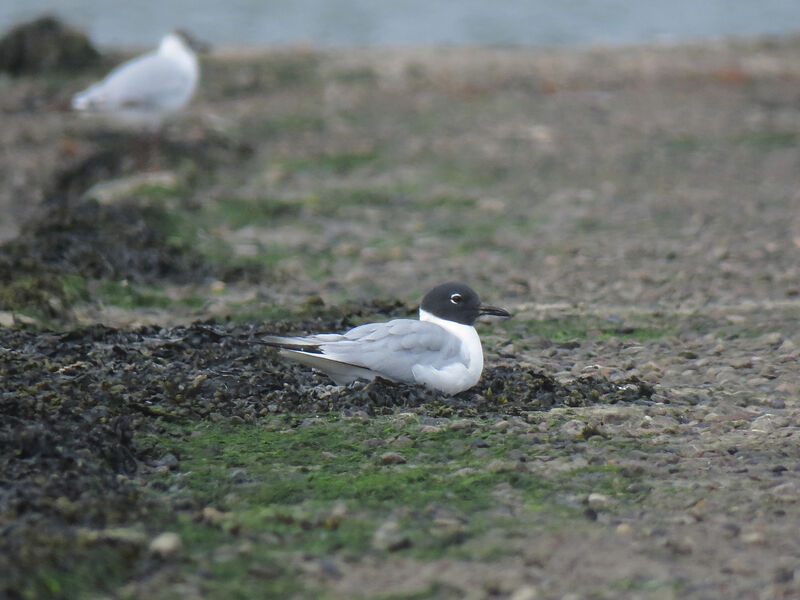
x=455, y=298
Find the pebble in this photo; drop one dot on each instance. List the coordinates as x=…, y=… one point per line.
x=165, y=545
x=597, y=500
x=741, y=363
x=389, y=536
x=430, y=429
x=572, y=428
x=517, y=454
x=770, y=339
x=624, y=529
x=777, y=403
x=754, y=538
x=402, y=441
x=392, y=458
x=501, y=425
x=212, y=516
x=768, y=423
x=526, y=592
x=169, y=461
x=462, y=424
x=787, y=493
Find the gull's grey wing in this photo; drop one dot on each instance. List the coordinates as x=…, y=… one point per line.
x=390, y=350
x=152, y=82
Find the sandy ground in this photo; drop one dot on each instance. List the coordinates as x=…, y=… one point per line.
x=637, y=208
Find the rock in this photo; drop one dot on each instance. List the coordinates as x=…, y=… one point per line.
x=392, y=458
x=430, y=429
x=742, y=363
x=7, y=318
x=526, y=592
x=389, y=536
x=624, y=529
x=501, y=425
x=754, y=538
x=572, y=428
x=402, y=441
x=768, y=423
x=596, y=500
x=213, y=516
x=787, y=493
x=462, y=424
x=165, y=545
x=770, y=339
x=45, y=44
x=169, y=461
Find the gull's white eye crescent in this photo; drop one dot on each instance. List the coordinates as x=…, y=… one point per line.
x=455, y=298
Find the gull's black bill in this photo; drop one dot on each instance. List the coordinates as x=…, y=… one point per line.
x=493, y=311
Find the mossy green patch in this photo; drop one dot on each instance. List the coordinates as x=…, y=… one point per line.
x=768, y=140
x=339, y=163
x=130, y=297
x=240, y=212
x=322, y=486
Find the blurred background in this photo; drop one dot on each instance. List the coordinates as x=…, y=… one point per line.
x=459, y=22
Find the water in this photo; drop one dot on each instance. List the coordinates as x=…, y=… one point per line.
x=415, y=22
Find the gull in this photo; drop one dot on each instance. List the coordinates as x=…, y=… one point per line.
x=146, y=89
x=441, y=350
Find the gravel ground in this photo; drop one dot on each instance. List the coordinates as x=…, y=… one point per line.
x=637, y=209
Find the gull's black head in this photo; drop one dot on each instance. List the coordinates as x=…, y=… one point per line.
x=191, y=40
x=457, y=302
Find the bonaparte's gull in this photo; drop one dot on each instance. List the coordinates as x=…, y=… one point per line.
x=146, y=89
x=442, y=350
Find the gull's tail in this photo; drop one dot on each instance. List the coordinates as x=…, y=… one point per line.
x=87, y=100
x=308, y=350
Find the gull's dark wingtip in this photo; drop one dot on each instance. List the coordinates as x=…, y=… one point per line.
x=290, y=344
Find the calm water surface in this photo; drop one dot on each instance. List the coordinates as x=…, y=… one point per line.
x=404, y=22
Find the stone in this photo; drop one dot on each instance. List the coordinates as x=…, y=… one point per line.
x=165, y=545
x=770, y=339
x=768, y=423
x=597, y=500
x=389, y=536
x=742, y=363
x=428, y=429
x=392, y=458
x=169, y=461
x=572, y=428
x=526, y=592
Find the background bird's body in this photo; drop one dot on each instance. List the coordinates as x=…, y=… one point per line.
x=146, y=89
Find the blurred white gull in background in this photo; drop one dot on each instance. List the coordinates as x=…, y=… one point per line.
x=146, y=89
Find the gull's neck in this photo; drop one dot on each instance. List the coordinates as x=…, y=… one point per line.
x=470, y=342
x=173, y=45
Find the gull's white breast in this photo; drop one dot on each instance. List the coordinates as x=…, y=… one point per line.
x=459, y=375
